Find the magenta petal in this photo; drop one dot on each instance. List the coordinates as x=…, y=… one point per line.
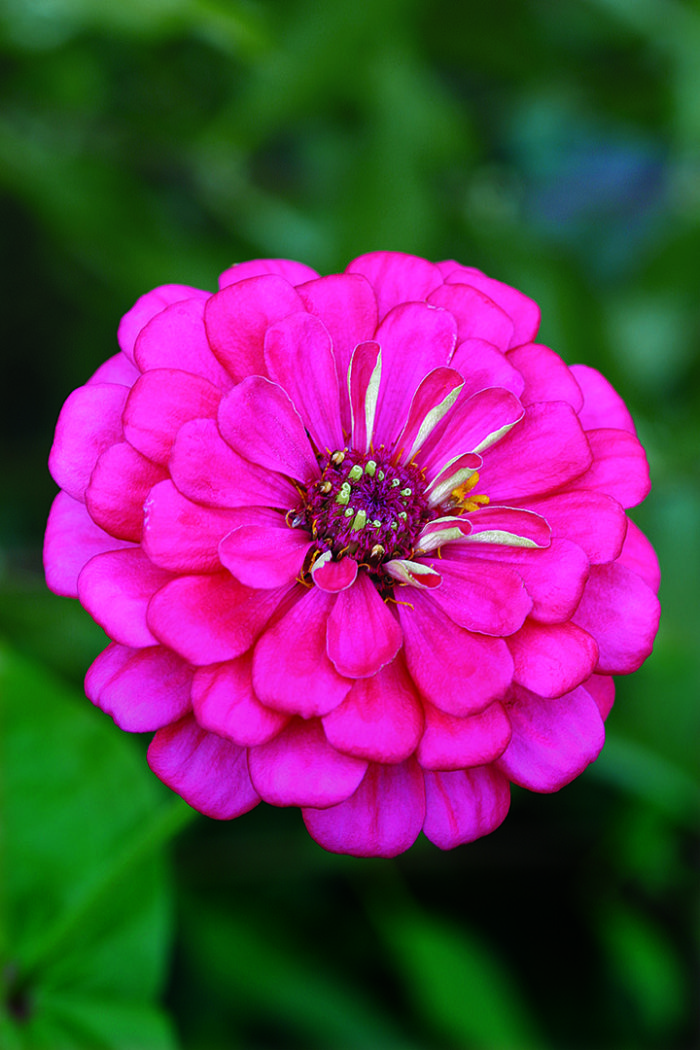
x=639, y=556
x=207, y=470
x=547, y=377
x=176, y=338
x=622, y=612
x=147, y=307
x=483, y=366
x=291, y=668
x=259, y=421
x=458, y=743
x=238, y=317
x=380, y=719
x=477, y=316
x=619, y=467
x=208, y=619
x=116, y=369
x=524, y=312
x=211, y=774
x=602, y=405
x=159, y=403
x=462, y=806
x=602, y=689
x=118, y=488
x=90, y=421
x=459, y=672
x=364, y=373
x=142, y=689
x=397, y=278
x=333, y=576
x=72, y=539
x=553, y=740
x=224, y=703
x=486, y=598
x=300, y=768
x=116, y=588
x=477, y=423
x=299, y=357
x=294, y=272
x=435, y=396
x=383, y=817
x=362, y=634
x=552, y=659
x=592, y=520
x=265, y=555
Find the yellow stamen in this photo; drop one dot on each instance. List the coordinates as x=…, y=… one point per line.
x=465, y=502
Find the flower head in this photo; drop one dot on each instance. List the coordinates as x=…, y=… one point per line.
x=360, y=544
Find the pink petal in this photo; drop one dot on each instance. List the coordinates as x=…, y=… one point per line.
x=553, y=740
x=142, y=689
x=333, y=576
x=265, y=555
x=380, y=719
x=118, y=488
x=459, y=672
x=71, y=540
x=482, y=366
x=90, y=421
x=260, y=422
x=159, y=403
x=176, y=338
x=238, y=317
x=207, y=470
x=477, y=316
x=547, y=377
x=416, y=573
x=619, y=467
x=489, y=599
x=147, y=307
x=457, y=743
x=294, y=272
x=208, y=619
x=435, y=396
x=592, y=520
x=461, y=807
x=291, y=668
x=552, y=659
x=602, y=405
x=524, y=312
x=211, y=774
x=224, y=703
x=504, y=527
x=602, y=689
x=639, y=556
x=383, y=818
x=116, y=588
x=451, y=476
x=622, y=613
x=362, y=634
x=116, y=369
x=364, y=374
x=546, y=450
x=477, y=423
x=300, y=768
x=397, y=278
x=299, y=357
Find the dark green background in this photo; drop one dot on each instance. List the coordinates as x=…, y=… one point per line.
x=555, y=145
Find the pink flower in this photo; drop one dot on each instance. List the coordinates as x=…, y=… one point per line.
x=360, y=546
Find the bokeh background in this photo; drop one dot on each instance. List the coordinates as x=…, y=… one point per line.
x=554, y=145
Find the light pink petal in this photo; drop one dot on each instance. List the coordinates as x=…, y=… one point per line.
x=176, y=338
x=483, y=366
x=619, y=467
x=639, y=556
x=333, y=576
x=451, y=476
x=477, y=423
x=622, y=612
x=506, y=527
x=300, y=768
x=362, y=634
x=299, y=357
x=259, y=421
x=116, y=369
x=118, y=488
x=414, y=573
x=602, y=689
x=265, y=555
x=459, y=672
x=552, y=659
x=547, y=449
x=72, y=539
x=477, y=316
x=291, y=668
x=147, y=307
x=210, y=773
x=547, y=377
x=397, y=278
x=463, y=806
x=207, y=470
x=524, y=312
x=208, y=619
x=116, y=588
x=457, y=743
x=224, y=703
x=238, y=317
x=90, y=421
x=364, y=374
x=159, y=403
x=142, y=689
x=553, y=740
x=294, y=272
x=432, y=401
x=594, y=521
x=382, y=819
x=602, y=405
x=486, y=598
x=381, y=718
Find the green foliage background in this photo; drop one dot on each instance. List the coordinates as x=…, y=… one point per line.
x=554, y=145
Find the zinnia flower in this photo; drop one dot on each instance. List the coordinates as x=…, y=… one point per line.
x=360, y=544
